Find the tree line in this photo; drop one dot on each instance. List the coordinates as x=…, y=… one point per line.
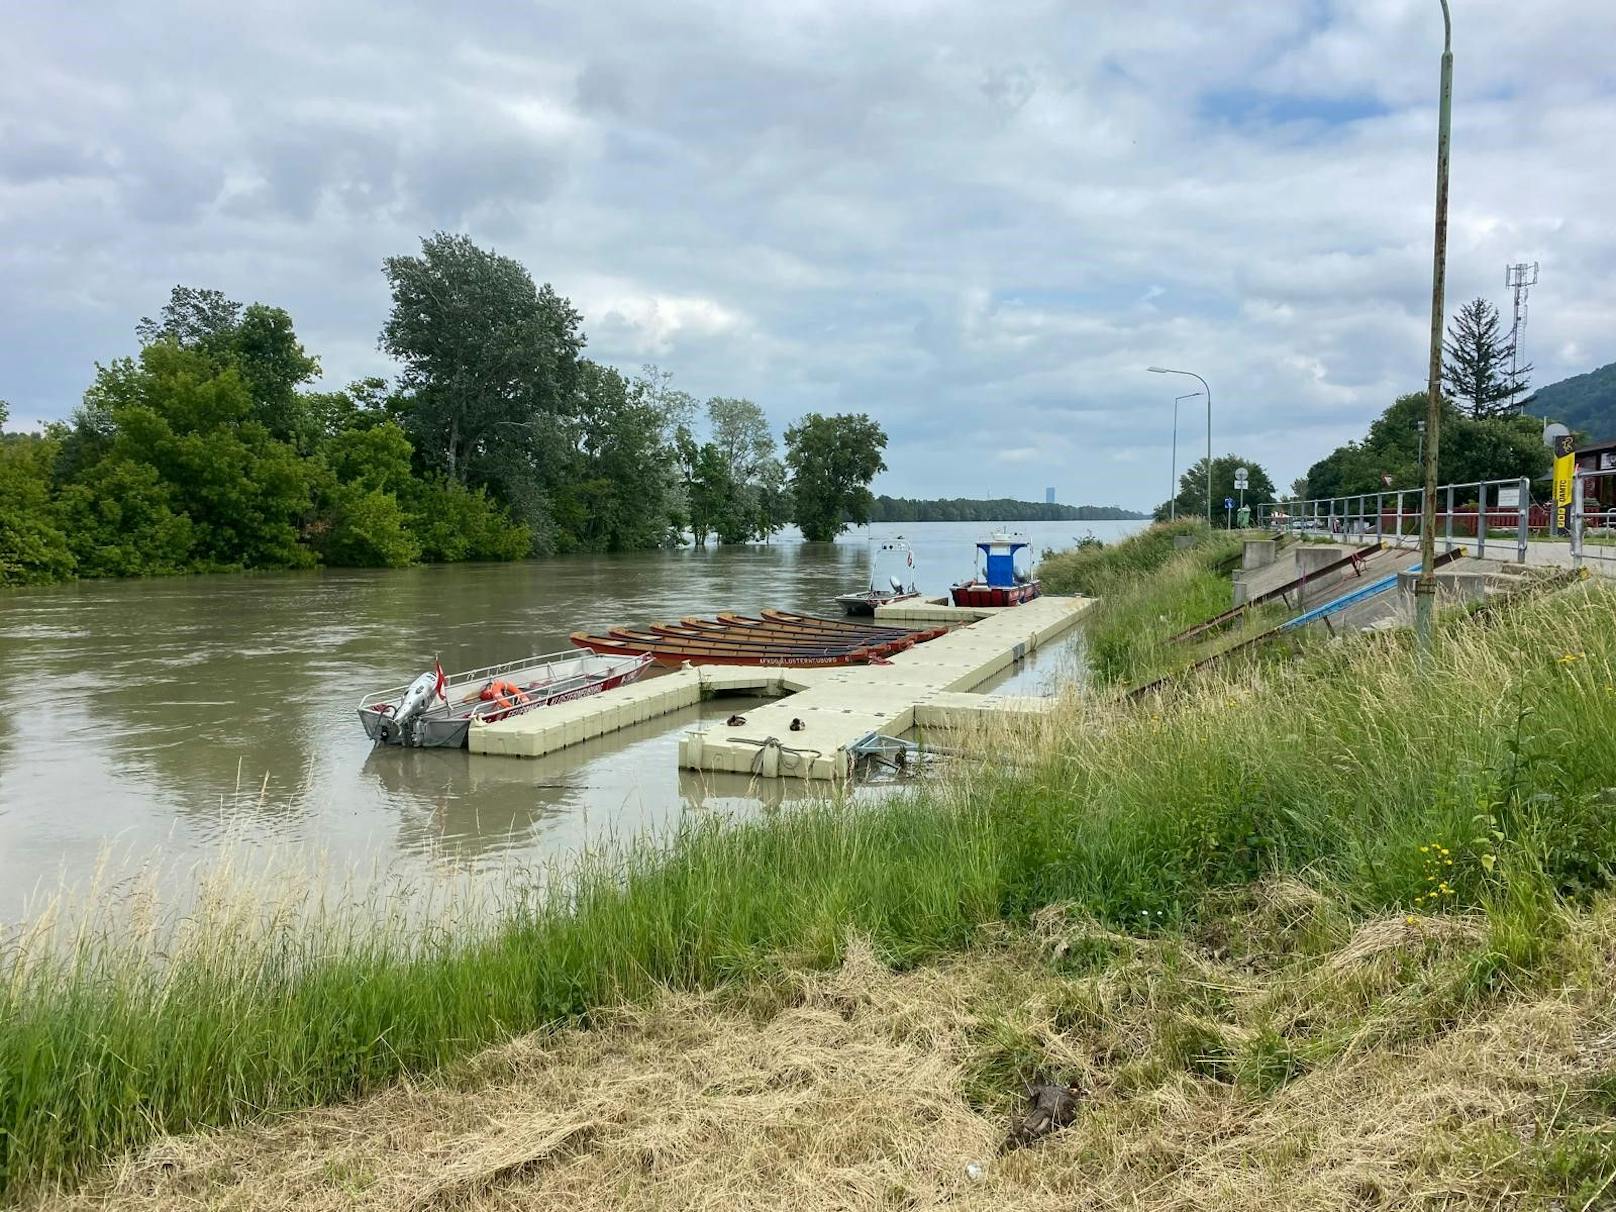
x=1000, y=509
x=209, y=450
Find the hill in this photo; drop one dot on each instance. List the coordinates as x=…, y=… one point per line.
x=1002, y=509
x=1585, y=403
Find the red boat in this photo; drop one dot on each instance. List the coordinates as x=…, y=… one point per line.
x=998, y=581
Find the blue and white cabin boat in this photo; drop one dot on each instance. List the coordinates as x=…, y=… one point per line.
x=998, y=580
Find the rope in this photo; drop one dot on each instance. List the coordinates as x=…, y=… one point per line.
x=773, y=743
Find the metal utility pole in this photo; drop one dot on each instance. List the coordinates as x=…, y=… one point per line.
x=1163, y=370
x=1172, y=497
x=1520, y=279
x=1425, y=587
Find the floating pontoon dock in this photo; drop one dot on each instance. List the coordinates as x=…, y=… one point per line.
x=836, y=706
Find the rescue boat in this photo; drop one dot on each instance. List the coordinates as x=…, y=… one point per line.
x=436, y=711
x=998, y=582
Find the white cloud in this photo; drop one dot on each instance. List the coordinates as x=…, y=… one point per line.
x=977, y=223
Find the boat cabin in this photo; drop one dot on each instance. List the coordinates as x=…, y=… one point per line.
x=998, y=581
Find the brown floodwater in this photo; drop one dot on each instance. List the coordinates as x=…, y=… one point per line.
x=174, y=716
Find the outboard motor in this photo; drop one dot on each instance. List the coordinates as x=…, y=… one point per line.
x=897, y=585
x=415, y=700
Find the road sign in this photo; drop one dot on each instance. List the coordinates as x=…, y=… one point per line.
x=1240, y=480
x=1228, y=502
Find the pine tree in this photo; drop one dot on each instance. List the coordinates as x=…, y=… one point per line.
x=1476, y=371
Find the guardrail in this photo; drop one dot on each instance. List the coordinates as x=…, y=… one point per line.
x=1472, y=510
x=1591, y=517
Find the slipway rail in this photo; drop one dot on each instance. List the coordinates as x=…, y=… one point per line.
x=1362, y=594
x=1299, y=584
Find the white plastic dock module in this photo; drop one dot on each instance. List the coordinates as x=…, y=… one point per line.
x=839, y=705
x=836, y=705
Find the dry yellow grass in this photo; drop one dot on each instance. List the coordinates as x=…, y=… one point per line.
x=865, y=1088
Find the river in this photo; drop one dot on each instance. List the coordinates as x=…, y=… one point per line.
x=177, y=716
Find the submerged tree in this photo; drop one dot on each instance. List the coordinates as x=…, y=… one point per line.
x=1476, y=370
x=490, y=364
x=832, y=461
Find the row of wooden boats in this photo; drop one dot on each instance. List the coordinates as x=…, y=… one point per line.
x=777, y=637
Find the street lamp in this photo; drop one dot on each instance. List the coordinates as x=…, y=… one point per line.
x=1165, y=370
x=1172, y=497
x=1425, y=586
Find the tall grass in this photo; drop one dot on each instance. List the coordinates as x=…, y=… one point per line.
x=1495, y=755
x=1149, y=590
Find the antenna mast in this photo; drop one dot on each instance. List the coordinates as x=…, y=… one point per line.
x=1519, y=278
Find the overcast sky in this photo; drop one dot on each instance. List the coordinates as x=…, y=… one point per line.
x=978, y=222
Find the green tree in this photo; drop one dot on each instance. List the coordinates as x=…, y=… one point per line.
x=1497, y=448
x=491, y=367
x=1493, y=448
x=274, y=365
x=194, y=318
x=122, y=520
x=362, y=519
x=619, y=497
x=245, y=492
x=453, y=522
x=33, y=548
x=773, y=496
x=712, y=495
x=741, y=433
x=832, y=461
x=1476, y=370
x=1191, y=499
x=258, y=341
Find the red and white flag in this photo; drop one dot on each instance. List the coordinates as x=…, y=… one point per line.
x=437, y=688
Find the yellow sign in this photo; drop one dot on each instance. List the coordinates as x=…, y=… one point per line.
x=1564, y=469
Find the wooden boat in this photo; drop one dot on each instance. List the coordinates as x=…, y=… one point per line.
x=809, y=621
x=998, y=581
x=886, y=586
x=435, y=711
x=801, y=640
x=768, y=632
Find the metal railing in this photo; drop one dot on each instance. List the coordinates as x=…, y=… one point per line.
x=1471, y=511
x=1497, y=513
x=1591, y=515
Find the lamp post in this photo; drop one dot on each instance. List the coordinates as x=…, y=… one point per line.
x=1165, y=370
x=1172, y=496
x=1425, y=587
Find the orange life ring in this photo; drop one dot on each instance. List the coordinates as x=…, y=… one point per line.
x=504, y=695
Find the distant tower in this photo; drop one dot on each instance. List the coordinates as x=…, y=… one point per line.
x=1049, y=496
x=1519, y=278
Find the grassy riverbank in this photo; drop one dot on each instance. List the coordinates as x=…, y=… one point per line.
x=1280, y=1053
x=1478, y=792
x=1149, y=590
